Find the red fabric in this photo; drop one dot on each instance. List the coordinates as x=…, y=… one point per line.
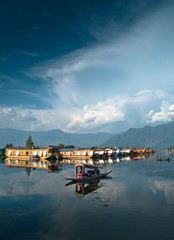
x=79, y=175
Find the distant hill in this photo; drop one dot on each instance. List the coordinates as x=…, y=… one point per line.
x=52, y=137
x=159, y=137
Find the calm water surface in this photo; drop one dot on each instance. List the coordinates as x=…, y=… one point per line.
x=137, y=203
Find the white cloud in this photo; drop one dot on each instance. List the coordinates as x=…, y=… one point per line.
x=16, y=117
x=171, y=108
x=133, y=109
x=114, y=114
x=21, y=184
x=165, y=187
x=165, y=114
x=32, y=119
x=96, y=115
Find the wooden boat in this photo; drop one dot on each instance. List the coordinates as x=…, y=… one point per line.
x=162, y=159
x=82, y=176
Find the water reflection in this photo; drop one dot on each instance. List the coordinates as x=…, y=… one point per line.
x=109, y=160
x=2, y=159
x=82, y=189
x=6, y=217
x=29, y=165
x=137, y=203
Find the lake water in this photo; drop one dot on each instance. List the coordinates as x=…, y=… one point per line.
x=137, y=203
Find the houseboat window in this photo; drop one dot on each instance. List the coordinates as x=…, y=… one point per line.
x=35, y=153
x=27, y=153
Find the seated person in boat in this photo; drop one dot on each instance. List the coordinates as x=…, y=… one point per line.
x=80, y=174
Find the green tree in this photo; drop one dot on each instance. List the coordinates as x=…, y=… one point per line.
x=29, y=142
x=61, y=145
x=95, y=147
x=8, y=145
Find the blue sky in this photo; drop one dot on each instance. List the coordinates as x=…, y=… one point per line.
x=86, y=66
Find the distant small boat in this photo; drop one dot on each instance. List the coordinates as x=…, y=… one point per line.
x=92, y=174
x=163, y=159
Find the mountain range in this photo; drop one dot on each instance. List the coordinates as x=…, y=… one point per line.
x=52, y=137
x=159, y=137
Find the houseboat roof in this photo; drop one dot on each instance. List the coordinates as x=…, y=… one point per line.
x=20, y=148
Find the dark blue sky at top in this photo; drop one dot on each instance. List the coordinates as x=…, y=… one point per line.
x=35, y=30
x=52, y=28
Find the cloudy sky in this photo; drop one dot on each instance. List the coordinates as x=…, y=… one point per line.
x=86, y=66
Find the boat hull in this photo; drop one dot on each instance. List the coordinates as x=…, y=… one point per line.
x=88, y=178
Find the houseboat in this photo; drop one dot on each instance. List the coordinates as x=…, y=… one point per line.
x=86, y=153
x=29, y=153
x=104, y=153
x=76, y=154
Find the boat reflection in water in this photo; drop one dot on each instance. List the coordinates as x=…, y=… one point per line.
x=50, y=166
x=82, y=189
